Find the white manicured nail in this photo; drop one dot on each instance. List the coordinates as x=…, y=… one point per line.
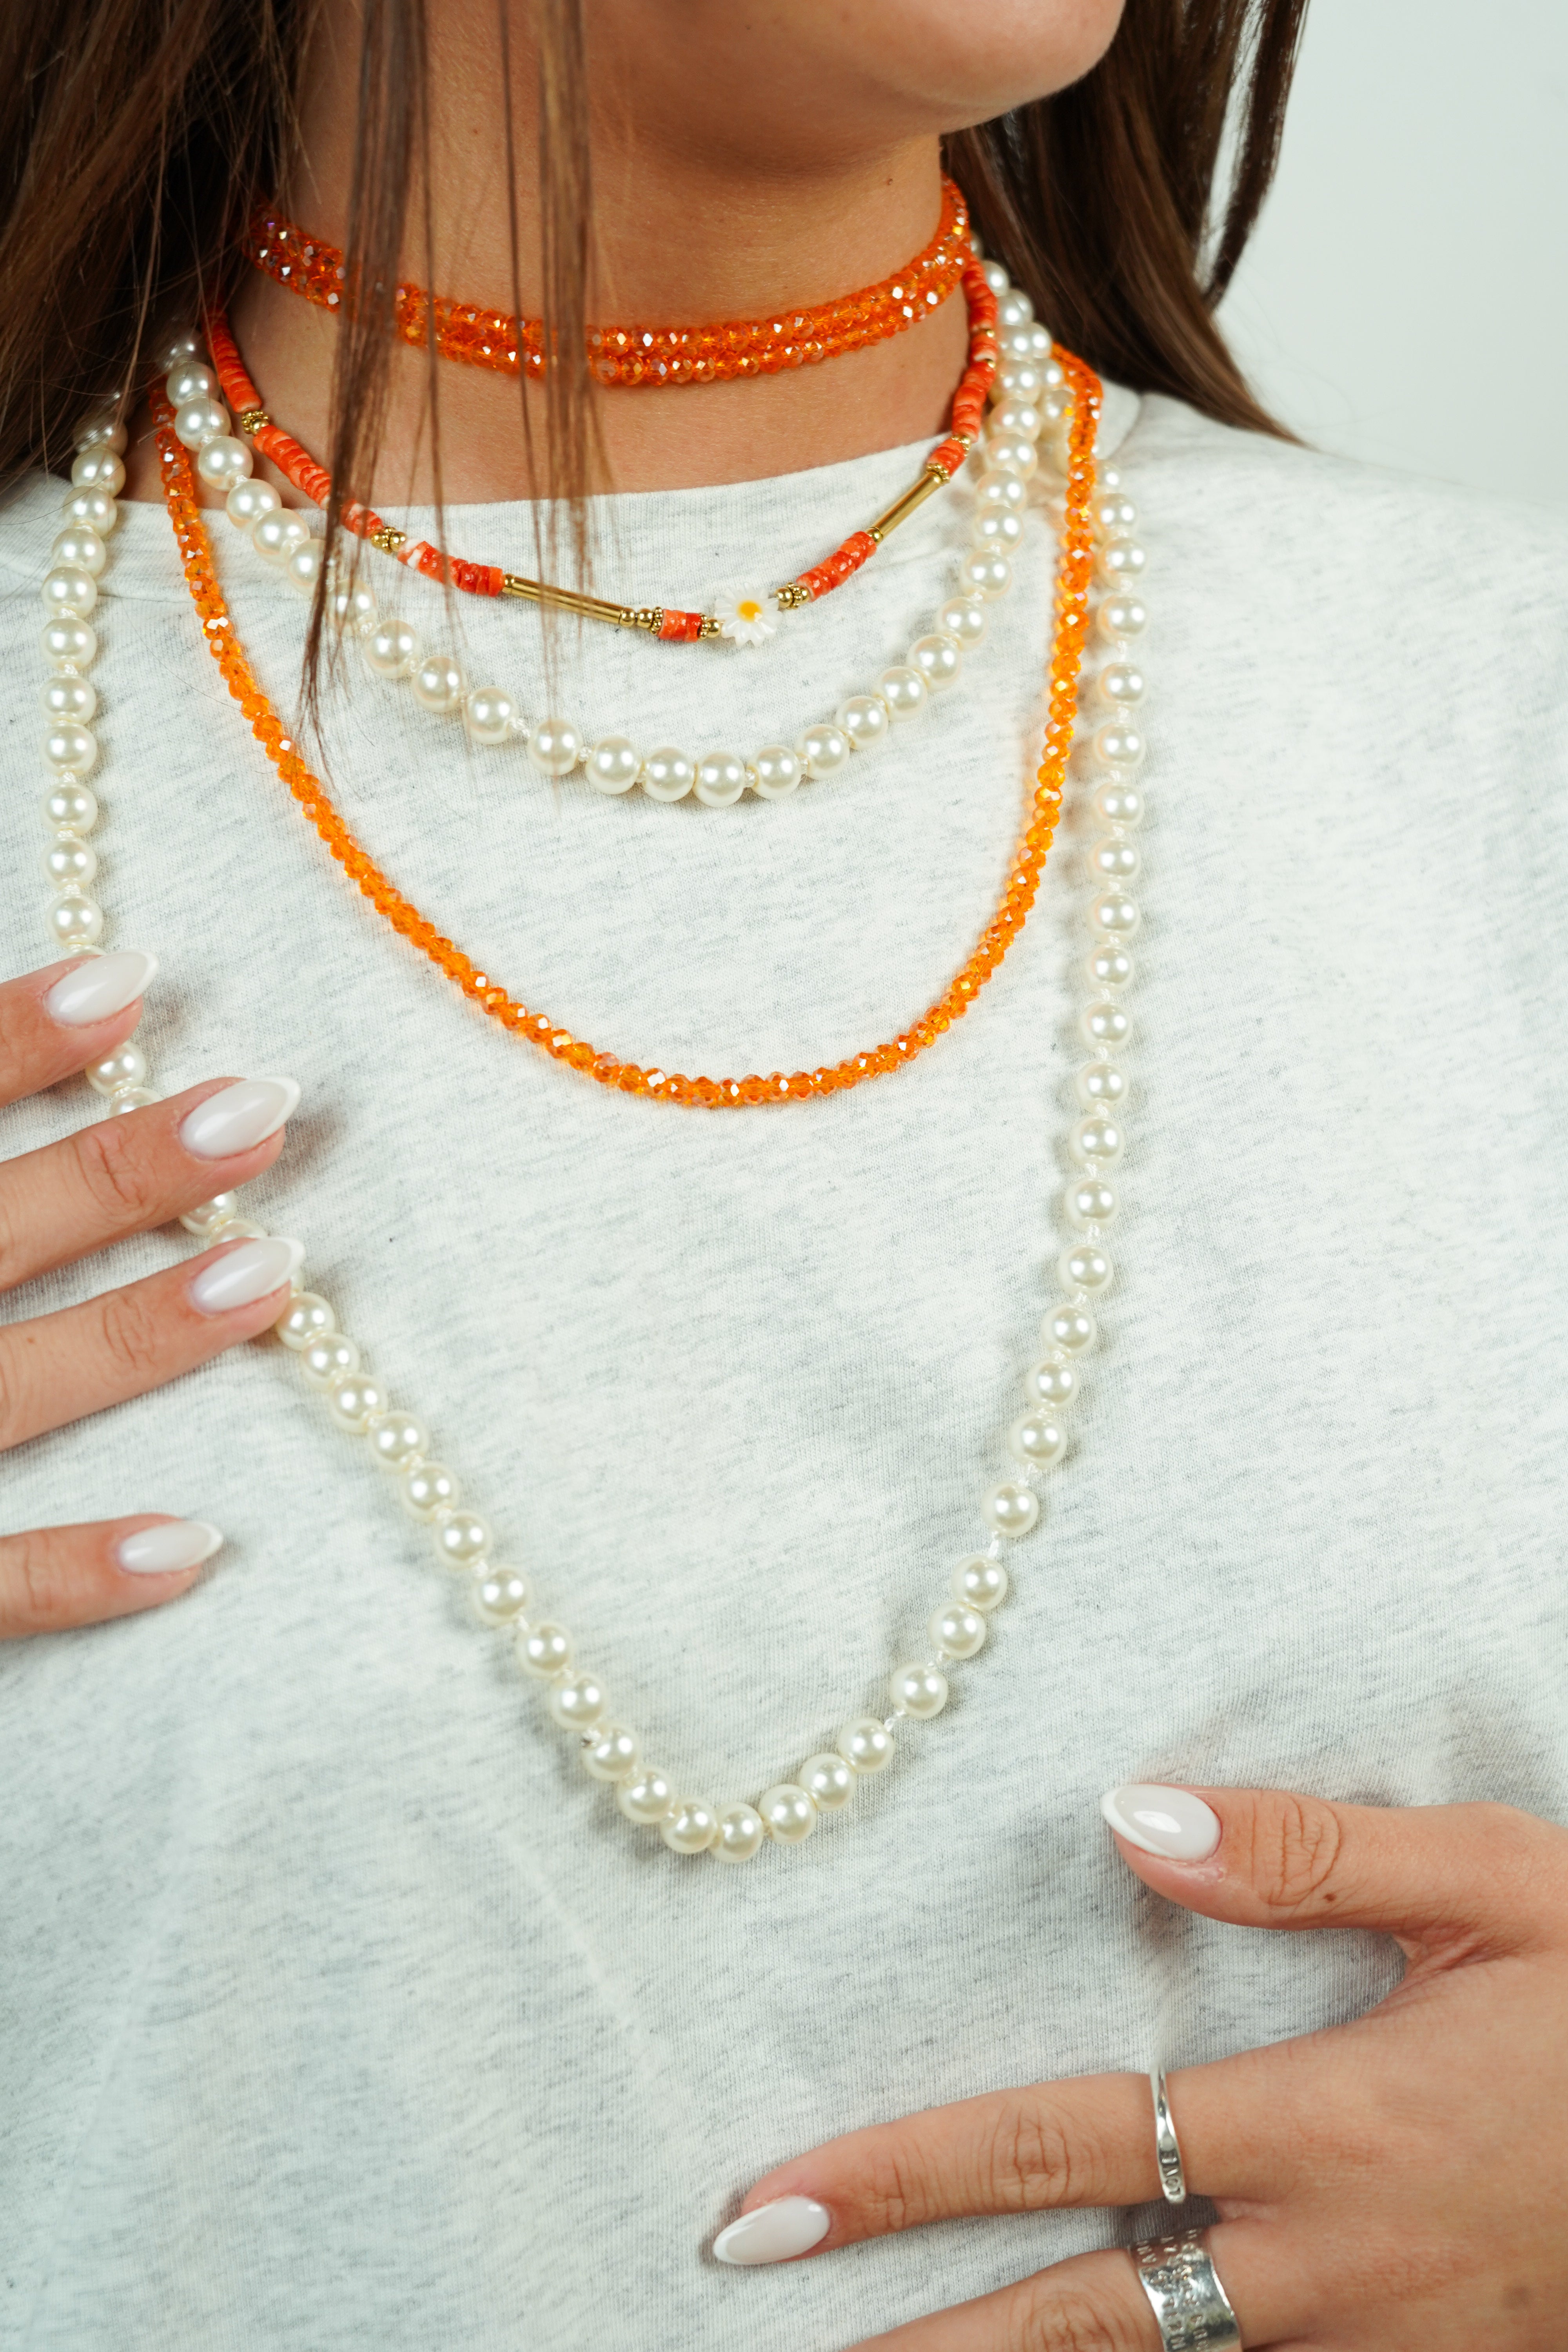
x=243, y=1116
x=1171, y=1822
x=102, y=985
x=789, y=2225
x=178, y=1543
x=243, y=1275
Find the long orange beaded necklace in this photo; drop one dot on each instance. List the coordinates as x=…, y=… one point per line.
x=539, y=1028
x=650, y=356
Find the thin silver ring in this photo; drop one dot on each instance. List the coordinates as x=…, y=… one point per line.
x=1190, y=2308
x=1167, y=2148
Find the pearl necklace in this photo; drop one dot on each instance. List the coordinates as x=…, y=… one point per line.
x=1032, y=396
x=789, y=1810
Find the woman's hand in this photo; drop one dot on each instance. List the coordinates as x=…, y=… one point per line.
x=1395, y=2185
x=119, y=1175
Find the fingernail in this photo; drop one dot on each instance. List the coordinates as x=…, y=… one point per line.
x=245, y=1273
x=789, y=2225
x=105, y=984
x=240, y=1116
x=178, y=1543
x=1171, y=1822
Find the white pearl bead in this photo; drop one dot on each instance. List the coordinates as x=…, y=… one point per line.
x=1113, y=860
x=126, y=1067
x=577, y=1703
x=980, y=1583
x=1035, y=1438
x=919, y=1690
x=94, y=509
x=936, y=659
x=460, y=1538
x=69, y=864
x=70, y=806
x=207, y=1214
x=488, y=714
x=1011, y=453
x=249, y=501
x=986, y=571
x=1001, y=493
x=555, y=747
x=963, y=619
x=137, y=1098
x=646, y=1797
x=740, y=1832
x=1099, y=1086
x=102, y=432
x=1017, y=420
x=75, y=922
x=788, y=1813
x=613, y=1754
x=1119, y=801
x=720, y=779
x=543, y=1650
x=1014, y=310
x=865, y=721
x=995, y=526
x=612, y=765
x=828, y=1780
x=1108, y=965
x=69, y=697
x=328, y=1358
x=305, y=1320
x=397, y=1439
x=1121, y=615
x=392, y=649
x=996, y=277
x=1091, y=1202
x=1113, y=513
x=1120, y=744
x=690, y=1825
x=200, y=421
x=223, y=462
x=69, y=590
x=99, y=470
x=277, y=535
x=1115, y=915
x=667, y=774
x=192, y=379
x=235, y=1229
x=426, y=1487
x=1120, y=682
x=438, y=683
x=1084, y=1265
x=865, y=1744
x=353, y=1399
x=69, y=748
x=1121, y=562
x=499, y=1595
x=175, y=353
x=1070, y=1328
x=1011, y=1509
x=1018, y=380
x=902, y=691
x=80, y=547
x=351, y=609
x=824, y=750
x=776, y=771
x=1054, y=1385
x=303, y=567
x=68, y=638
x=958, y=1630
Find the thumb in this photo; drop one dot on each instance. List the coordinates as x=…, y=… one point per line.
x=1483, y=1878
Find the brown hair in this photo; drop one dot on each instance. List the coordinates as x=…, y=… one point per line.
x=136, y=136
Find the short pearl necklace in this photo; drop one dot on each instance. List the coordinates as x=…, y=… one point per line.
x=789, y=1810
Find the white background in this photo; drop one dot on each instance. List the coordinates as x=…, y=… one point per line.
x=1404, y=297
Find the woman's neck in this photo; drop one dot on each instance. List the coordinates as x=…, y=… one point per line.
x=686, y=230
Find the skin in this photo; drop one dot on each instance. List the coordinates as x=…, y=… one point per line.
x=1395, y=2185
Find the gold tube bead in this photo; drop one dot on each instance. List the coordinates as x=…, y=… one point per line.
x=569, y=600
x=901, y=509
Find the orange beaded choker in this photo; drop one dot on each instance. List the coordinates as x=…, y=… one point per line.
x=638, y=355
x=539, y=1028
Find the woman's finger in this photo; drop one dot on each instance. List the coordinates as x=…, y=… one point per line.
x=121, y=1174
x=57, y=1021
x=52, y=1577
x=61, y=1368
x=1440, y=1878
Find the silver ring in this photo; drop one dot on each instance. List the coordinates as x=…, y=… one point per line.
x=1167, y=2148
x=1191, y=2309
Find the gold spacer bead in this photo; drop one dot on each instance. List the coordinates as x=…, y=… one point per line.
x=791, y=596
x=710, y=627
x=251, y=420
x=389, y=539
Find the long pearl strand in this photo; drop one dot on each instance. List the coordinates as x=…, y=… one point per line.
x=1030, y=400
x=331, y=1362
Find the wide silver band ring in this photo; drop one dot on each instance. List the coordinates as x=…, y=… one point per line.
x=1167, y=2148
x=1190, y=2308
